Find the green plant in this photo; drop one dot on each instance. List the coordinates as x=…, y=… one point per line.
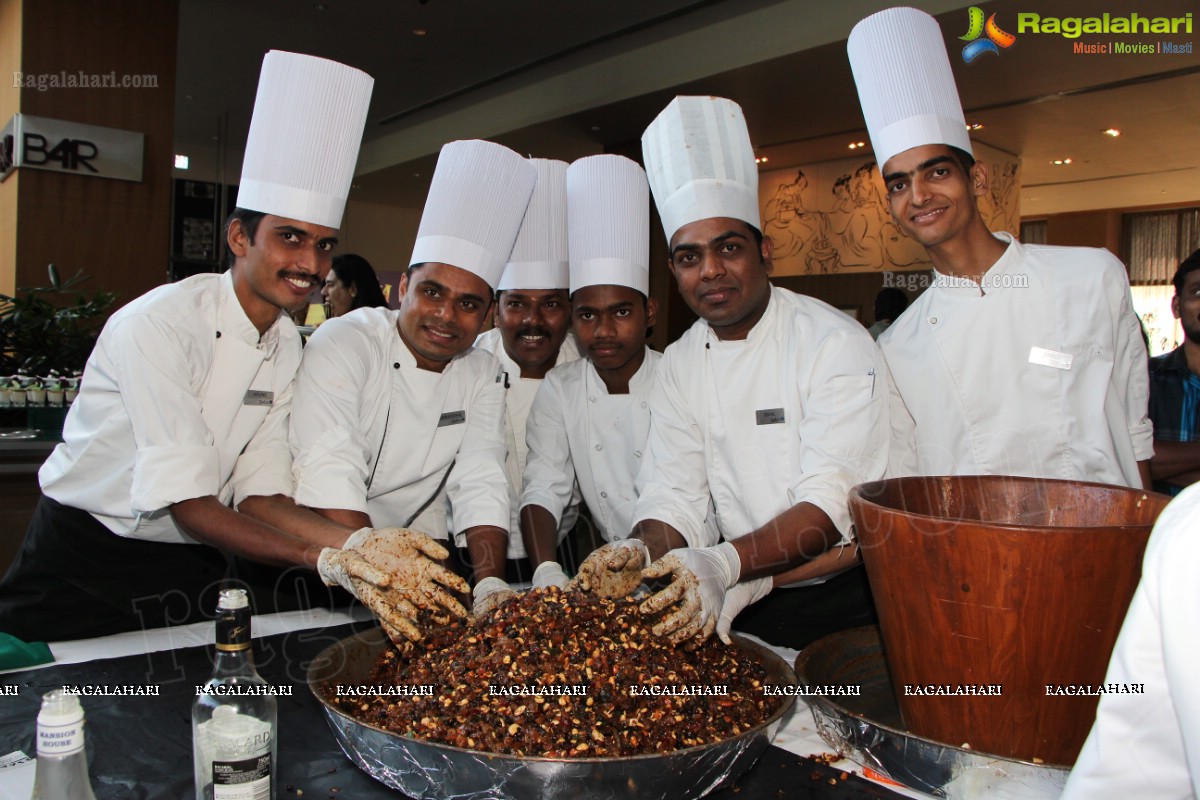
x=37, y=335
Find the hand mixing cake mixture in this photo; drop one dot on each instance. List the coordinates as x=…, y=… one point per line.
x=564, y=674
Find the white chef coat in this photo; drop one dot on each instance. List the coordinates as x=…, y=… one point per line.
x=582, y=439
x=1148, y=745
x=518, y=401
x=180, y=399
x=373, y=432
x=794, y=413
x=985, y=400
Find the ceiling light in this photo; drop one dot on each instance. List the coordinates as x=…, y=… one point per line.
x=760, y=160
x=1058, y=162
x=856, y=145
x=1113, y=132
x=975, y=126
x=181, y=162
x=419, y=31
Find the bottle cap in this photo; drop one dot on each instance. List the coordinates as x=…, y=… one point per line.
x=232, y=599
x=60, y=708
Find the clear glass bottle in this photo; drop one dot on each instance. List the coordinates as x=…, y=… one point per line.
x=62, y=772
x=233, y=725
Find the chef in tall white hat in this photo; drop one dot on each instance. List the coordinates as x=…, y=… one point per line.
x=392, y=405
x=768, y=410
x=587, y=430
x=532, y=332
x=182, y=413
x=1063, y=389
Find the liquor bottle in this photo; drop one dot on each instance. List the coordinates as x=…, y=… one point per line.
x=62, y=772
x=233, y=719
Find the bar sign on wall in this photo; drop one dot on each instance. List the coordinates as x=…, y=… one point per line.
x=72, y=147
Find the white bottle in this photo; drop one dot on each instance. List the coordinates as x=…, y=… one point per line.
x=233, y=728
x=61, y=763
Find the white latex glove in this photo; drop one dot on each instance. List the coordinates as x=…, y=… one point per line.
x=736, y=599
x=692, y=602
x=489, y=594
x=549, y=573
x=393, y=572
x=614, y=570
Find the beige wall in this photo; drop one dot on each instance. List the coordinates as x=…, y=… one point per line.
x=382, y=234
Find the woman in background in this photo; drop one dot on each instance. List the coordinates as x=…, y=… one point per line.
x=351, y=284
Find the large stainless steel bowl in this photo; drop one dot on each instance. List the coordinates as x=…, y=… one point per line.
x=424, y=769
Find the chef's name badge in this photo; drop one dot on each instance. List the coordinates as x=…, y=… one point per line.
x=769, y=416
x=1049, y=358
x=452, y=418
x=258, y=397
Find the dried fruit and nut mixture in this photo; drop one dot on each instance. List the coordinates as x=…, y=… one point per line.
x=490, y=680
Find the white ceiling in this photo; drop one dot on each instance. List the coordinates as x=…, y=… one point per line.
x=564, y=79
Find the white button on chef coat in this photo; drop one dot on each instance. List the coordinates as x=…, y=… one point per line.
x=982, y=407
x=373, y=432
x=519, y=394
x=163, y=415
x=1148, y=744
x=794, y=413
x=592, y=445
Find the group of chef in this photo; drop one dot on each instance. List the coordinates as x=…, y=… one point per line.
x=405, y=451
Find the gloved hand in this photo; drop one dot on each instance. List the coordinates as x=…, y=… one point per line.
x=489, y=594
x=550, y=573
x=614, y=570
x=736, y=599
x=692, y=602
x=392, y=571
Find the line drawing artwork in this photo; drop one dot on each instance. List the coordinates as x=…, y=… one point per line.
x=832, y=218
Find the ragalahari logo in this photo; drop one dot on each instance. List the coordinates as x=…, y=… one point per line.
x=995, y=41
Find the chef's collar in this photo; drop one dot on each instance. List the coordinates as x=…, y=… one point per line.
x=1007, y=273
x=233, y=321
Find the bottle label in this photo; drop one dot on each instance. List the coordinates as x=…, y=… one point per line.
x=249, y=779
x=60, y=740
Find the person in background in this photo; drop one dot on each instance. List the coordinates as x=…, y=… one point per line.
x=767, y=411
x=393, y=405
x=589, y=422
x=1175, y=390
x=532, y=335
x=181, y=418
x=1020, y=359
x=1148, y=744
x=350, y=284
x=889, y=305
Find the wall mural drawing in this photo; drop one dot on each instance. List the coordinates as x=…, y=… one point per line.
x=832, y=217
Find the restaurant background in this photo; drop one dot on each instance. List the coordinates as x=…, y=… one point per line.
x=184, y=74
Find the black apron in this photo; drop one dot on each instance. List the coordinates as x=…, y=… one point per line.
x=74, y=578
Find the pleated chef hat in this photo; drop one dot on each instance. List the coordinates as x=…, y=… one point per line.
x=905, y=85
x=476, y=202
x=539, y=256
x=308, y=122
x=608, y=223
x=700, y=163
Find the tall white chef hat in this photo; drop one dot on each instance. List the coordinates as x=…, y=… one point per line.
x=308, y=122
x=700, y=163
x=476, y=202
x=905, y=85
x=608, y=222
x=539, y=256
